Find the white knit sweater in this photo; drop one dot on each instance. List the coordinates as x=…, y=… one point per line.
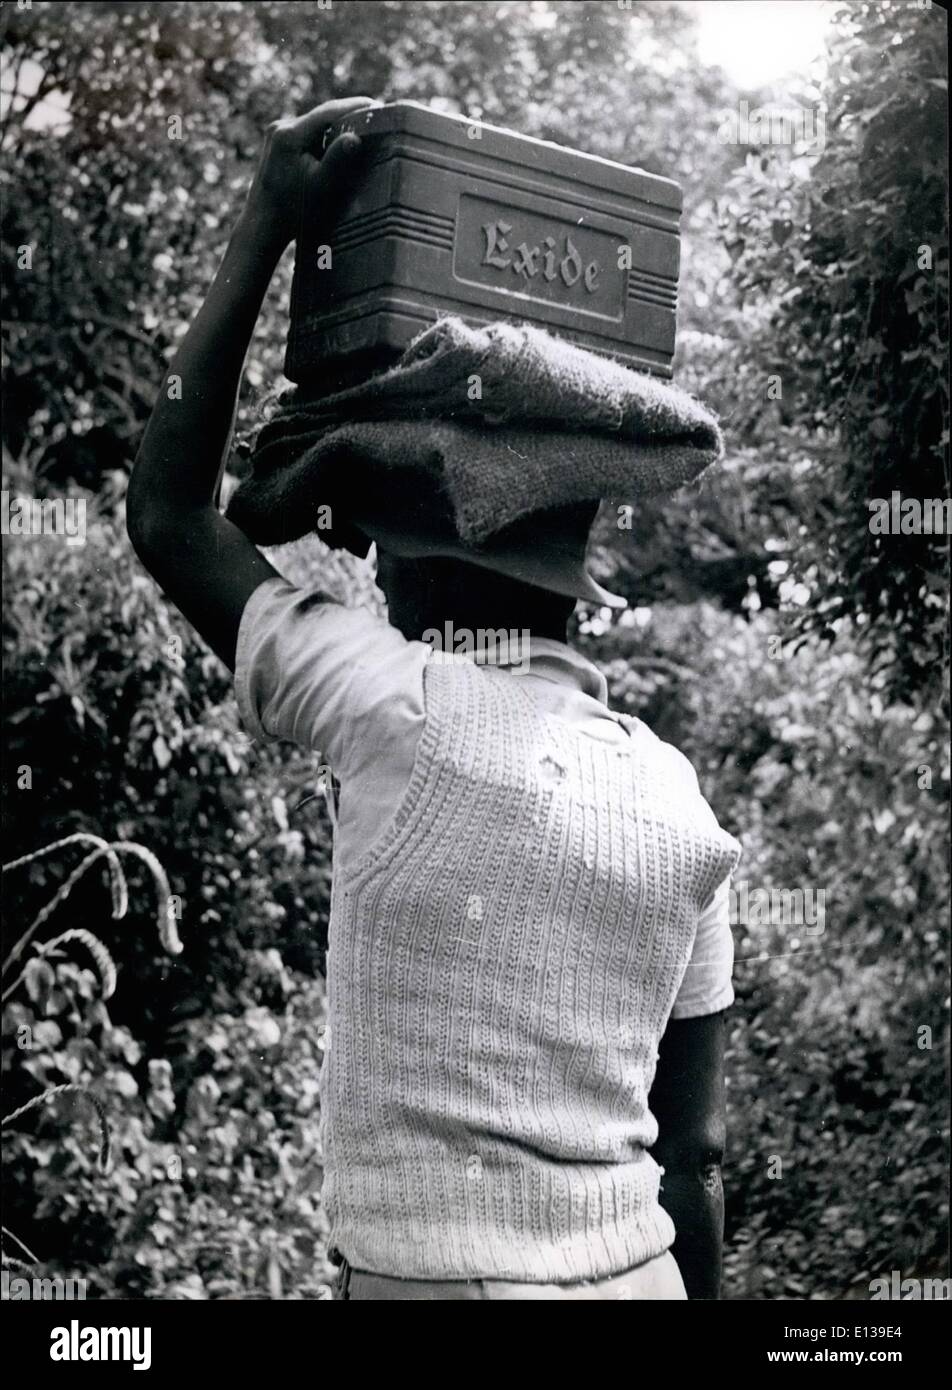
x=502, y=966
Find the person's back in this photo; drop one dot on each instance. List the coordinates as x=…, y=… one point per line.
x=524, y=894
x=503, y=963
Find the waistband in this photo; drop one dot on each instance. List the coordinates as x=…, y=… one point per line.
x=658, y=1278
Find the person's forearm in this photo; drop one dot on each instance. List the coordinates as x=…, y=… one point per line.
x=176, y=473
x=181, y=455
x=204, y=563
x=695, y=1202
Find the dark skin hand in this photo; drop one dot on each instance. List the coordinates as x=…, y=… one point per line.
x=208, y=568
x=687, y=1100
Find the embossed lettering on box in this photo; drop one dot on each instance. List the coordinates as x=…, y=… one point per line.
x=535, y=256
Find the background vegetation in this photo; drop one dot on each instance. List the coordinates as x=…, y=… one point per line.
x=798, y=660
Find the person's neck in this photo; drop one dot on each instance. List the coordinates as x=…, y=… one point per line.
x=424, y=596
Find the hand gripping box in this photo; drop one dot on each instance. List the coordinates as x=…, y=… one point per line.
x=451, y=216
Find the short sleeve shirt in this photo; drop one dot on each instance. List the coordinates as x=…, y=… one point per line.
x=346, y=685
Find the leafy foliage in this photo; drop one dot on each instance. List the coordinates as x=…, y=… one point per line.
x=791, y=654
x=841, y=262
x=834, y=790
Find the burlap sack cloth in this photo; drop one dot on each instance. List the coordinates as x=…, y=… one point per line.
x=485, y=425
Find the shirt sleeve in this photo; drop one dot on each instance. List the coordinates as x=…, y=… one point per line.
x=313, y=671
x=707, y=986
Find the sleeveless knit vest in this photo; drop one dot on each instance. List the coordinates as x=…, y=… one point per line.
x=502, y=965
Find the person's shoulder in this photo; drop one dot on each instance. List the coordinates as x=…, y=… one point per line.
x=668, y=758
x=313, y=670
x=298, y=610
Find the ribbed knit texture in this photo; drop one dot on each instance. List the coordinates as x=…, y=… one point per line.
x=550, y=425
x=502, y=966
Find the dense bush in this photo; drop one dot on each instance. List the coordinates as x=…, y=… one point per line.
x=213, y=1188
x=127, y=728
x=841, y=271
x=828, y=761
x=831, y=789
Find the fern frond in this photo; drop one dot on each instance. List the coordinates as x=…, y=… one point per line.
x=25, y=1248
x=120, y=897
x=117, y=881
x=100, y=954
x=168, y=932
x=105, y=1144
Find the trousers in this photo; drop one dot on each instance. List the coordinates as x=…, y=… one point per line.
x=659, y=1278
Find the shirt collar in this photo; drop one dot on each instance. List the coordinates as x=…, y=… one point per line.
x=553, y=661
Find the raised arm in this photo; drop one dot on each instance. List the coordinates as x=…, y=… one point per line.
x=687, y=1100
x=205, y=564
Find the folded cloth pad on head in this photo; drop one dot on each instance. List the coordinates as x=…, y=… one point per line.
x=488, y=425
